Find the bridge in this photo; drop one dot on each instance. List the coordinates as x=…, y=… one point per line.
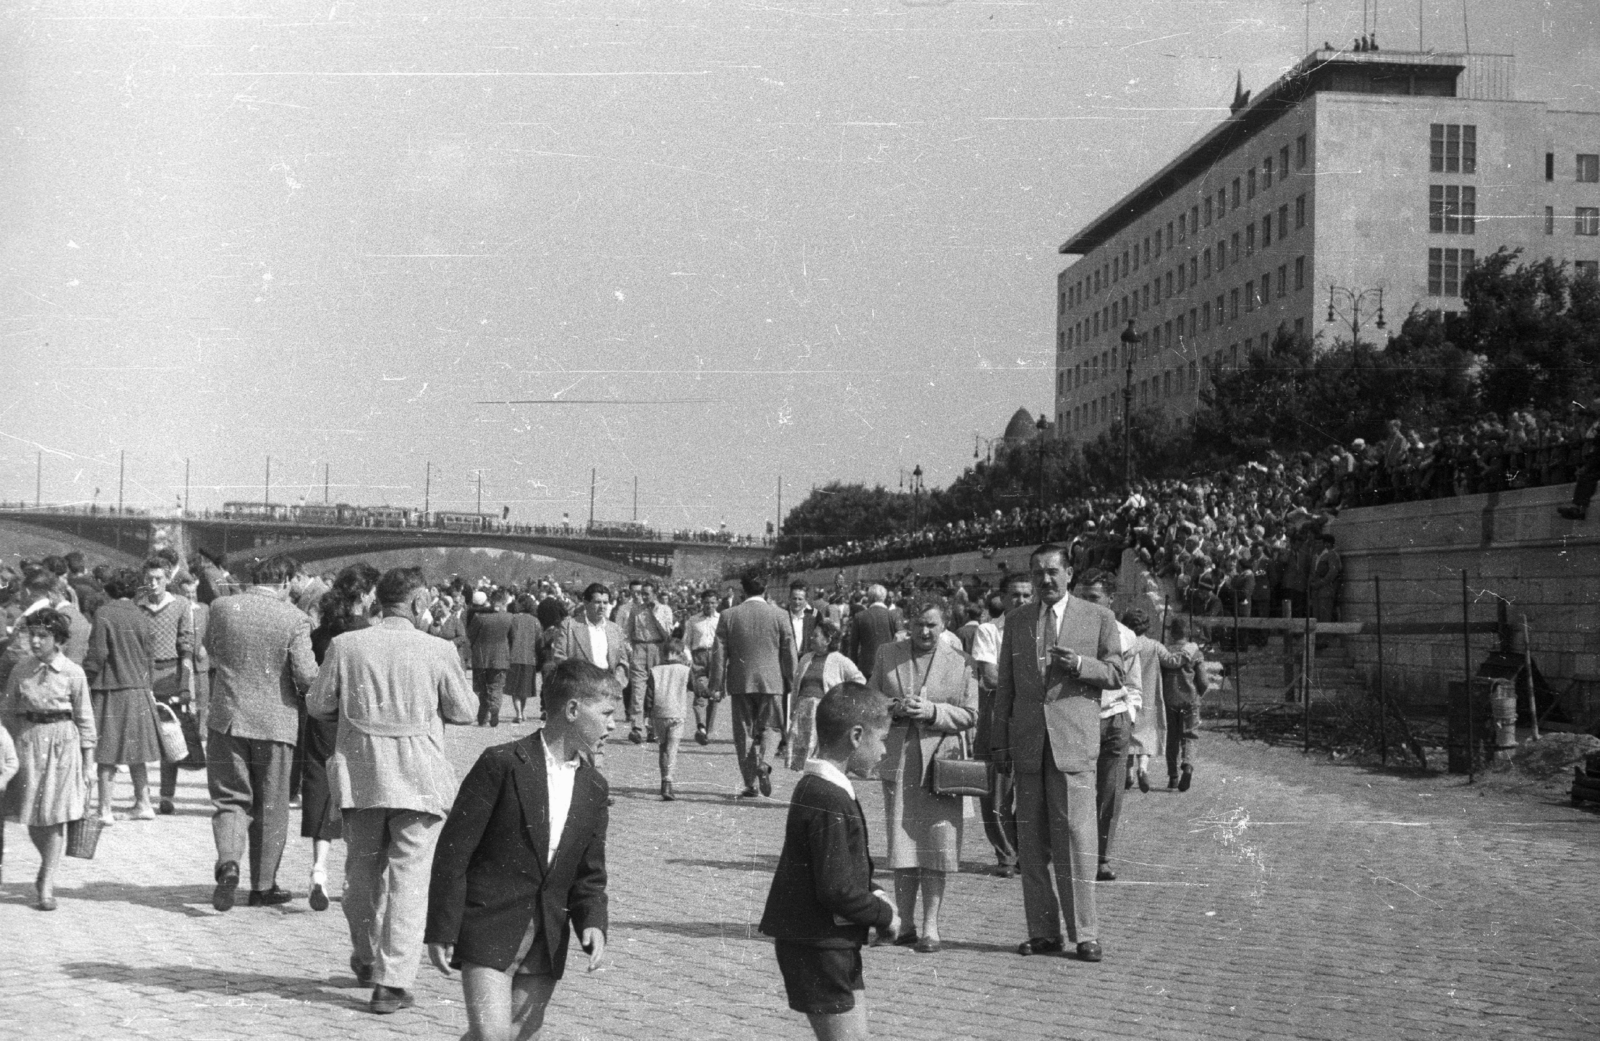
x=128, y=537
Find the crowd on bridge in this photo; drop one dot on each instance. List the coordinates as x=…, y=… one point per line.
x=333, y=692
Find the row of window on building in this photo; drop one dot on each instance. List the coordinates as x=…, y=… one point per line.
x=1174, y=382
x=1178, y=279
x=1200, y=215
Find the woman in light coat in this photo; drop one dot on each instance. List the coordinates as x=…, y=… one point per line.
x=933, y=691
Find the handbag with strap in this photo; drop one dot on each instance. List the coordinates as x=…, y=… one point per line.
x=174, y=745
x=953, y=772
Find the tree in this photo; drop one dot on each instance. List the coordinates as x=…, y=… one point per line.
x=1536, y=327
x=840, y=512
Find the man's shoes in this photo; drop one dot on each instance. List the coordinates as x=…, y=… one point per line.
x=1172, y=782
x=227, y=885
x=748, y=793
x=269, y=897
x=1573, y=512
x=1186, y=779
x=765, y=780
x=1105, y=874
x=636, y=736
x=701, y=737
x=909, y=938
x=1041, y=945
x=1144, y=782
x=1089, y=950
x=387, y=1000
x=927, y=945
x=362, y=972
x=667, y=794
x=1006, y=871
x=166, y=809
x=46, y=903
x=142, y=812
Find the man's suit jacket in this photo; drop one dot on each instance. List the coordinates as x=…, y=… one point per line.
x=822, y=893
x=572, y=641
x=489, y=871
x=950, y=683
x=869, y=630
x=490, y=633
x=754, y=651
x=261, y=662
x=1030, y=703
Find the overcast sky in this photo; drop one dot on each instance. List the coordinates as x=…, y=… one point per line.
x=823, y=235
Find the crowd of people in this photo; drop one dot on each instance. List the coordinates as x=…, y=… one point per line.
x=333, y=692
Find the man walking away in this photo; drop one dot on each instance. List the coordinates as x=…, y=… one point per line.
x=262, y=665
x=490, y=633
x=754, y=664
x=392, y=687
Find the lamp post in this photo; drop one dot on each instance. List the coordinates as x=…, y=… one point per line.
x=916, y=496
x=1130, y=343
x=1353, y=299
x=1042, y=426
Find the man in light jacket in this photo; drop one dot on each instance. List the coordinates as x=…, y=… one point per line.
x=392, y=687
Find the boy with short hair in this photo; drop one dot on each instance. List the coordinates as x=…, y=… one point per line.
x=823, y=899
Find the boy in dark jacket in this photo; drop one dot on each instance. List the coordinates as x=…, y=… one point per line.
x=823, y=899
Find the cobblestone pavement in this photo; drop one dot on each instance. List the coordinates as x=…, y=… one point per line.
x=1282, y=897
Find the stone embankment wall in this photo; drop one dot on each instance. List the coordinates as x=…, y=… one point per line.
x=1514, y=548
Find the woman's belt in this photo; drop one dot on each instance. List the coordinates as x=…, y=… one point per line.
x=47, y=717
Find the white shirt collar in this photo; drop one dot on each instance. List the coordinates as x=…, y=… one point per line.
x=830, y=773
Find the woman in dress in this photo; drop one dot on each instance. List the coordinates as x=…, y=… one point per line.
x=46, y=705
x=118, y=668
x=821, y=669
x=522, y=678
x=342, y=609
x=932, y=688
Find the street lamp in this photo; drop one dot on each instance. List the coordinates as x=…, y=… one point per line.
x=1353, y=300
x=916, y=495
x=1130, y=341
x=1042, y=426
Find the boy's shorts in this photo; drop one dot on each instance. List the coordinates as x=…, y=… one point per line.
x=820, y=980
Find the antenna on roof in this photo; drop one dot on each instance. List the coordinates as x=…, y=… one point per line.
x=1241, y=97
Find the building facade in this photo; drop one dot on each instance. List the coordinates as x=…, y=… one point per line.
x=1354, y=173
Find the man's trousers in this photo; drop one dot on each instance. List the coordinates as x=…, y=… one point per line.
x=249, y=782
x=1056, y=828
x=999, y=812
x=1111, y=777
x=757, y=726
x=386, y=870
x=1183, y=733
x=490, y=686
x=642, y=657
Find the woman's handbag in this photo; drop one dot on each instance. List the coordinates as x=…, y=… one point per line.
x=174, y=745
x=83, y=835
x=952, y=770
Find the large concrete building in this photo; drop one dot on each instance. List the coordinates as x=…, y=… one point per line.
x=1356, y=172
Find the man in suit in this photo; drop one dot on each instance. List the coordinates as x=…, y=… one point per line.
x=490, y=633
x=1057, y=655
x=592, y=637
x=522, y=859
x=392, y=688
x=802, y=616
x=753, y=662
x=998, y=810
x=871, y=629
x=262, y=665
x=646, y=624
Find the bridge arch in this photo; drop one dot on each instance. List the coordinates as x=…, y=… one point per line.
x=359, y=541
x=113, y=540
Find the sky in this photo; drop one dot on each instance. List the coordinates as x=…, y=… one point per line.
x=777, y=244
